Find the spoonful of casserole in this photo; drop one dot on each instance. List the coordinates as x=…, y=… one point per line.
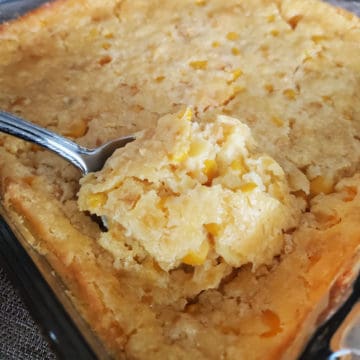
x=190, y=192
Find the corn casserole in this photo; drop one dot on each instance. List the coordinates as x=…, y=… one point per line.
x=234, y=216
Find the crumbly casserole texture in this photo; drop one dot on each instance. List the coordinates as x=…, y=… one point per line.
x=254, y=102
x=185, y=192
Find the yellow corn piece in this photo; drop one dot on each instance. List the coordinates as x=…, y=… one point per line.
x=274, y=32
x=212, y=228
x=199, y=64
x=106, y=46
x=272, y=321
x=215, y=44
x=294, y=21
x=290, y=94
x=200, y=2
x=320, y=185
x=196, y=148
x=210, y=170
x=232, y=36
x=105, y=60
x=109, y=35
x=237, y=73
x=277, y=121
x=328, y=100
x=238, y=89
x=96, y=200
x=77, y=129
x=235, y=51
x=197, y=257
x=350, y=193
x=239, y=165
x=185, y=114
x=160, y=79
x=268, y=161
x=94, y=33
x=188, y=114
x=318, y=38
x=271, y=18
x=162, y=201
x=179, y=156
x=269, y=88
x=247, y=187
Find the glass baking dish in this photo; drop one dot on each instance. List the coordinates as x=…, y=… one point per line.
x=64, y=328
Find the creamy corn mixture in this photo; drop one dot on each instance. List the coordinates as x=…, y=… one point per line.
x=185, y=192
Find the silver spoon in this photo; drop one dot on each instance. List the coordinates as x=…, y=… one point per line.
x=87, y=160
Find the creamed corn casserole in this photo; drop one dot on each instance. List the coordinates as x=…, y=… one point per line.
x=234, y=217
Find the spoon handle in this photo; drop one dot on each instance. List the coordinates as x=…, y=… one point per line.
x=13, y=125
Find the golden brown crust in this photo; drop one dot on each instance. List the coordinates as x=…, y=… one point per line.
x=66, y=81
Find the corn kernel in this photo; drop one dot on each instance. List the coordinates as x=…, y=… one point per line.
x=294, y=21
x=290, y=94
x=277, y=121
x=238, y=89
x=239, y=165
x=235, y=51
x=272, y=321
x=350, y=193
x=271, y=18
x=77, y=129
x=106, y=46
x=105, y=60
x=232, y=36
x=236, y=74
x=274, y=32
x=197, y=257
x=318, y=38
x=320, y=185
x=328, y=99
x=212, y=228
x=269, y=88
x=268, y=161
x=94, y=33
x=215, y=44
x=185, y=114
x=179, y=156
x=199, y=65
x=247, y=187
x=210, y=170
x=307, y=56
x=196, y=148
x=96, y=200
x=200, y=2
x=162, y=201
x=159, y=79
x=109, y=35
